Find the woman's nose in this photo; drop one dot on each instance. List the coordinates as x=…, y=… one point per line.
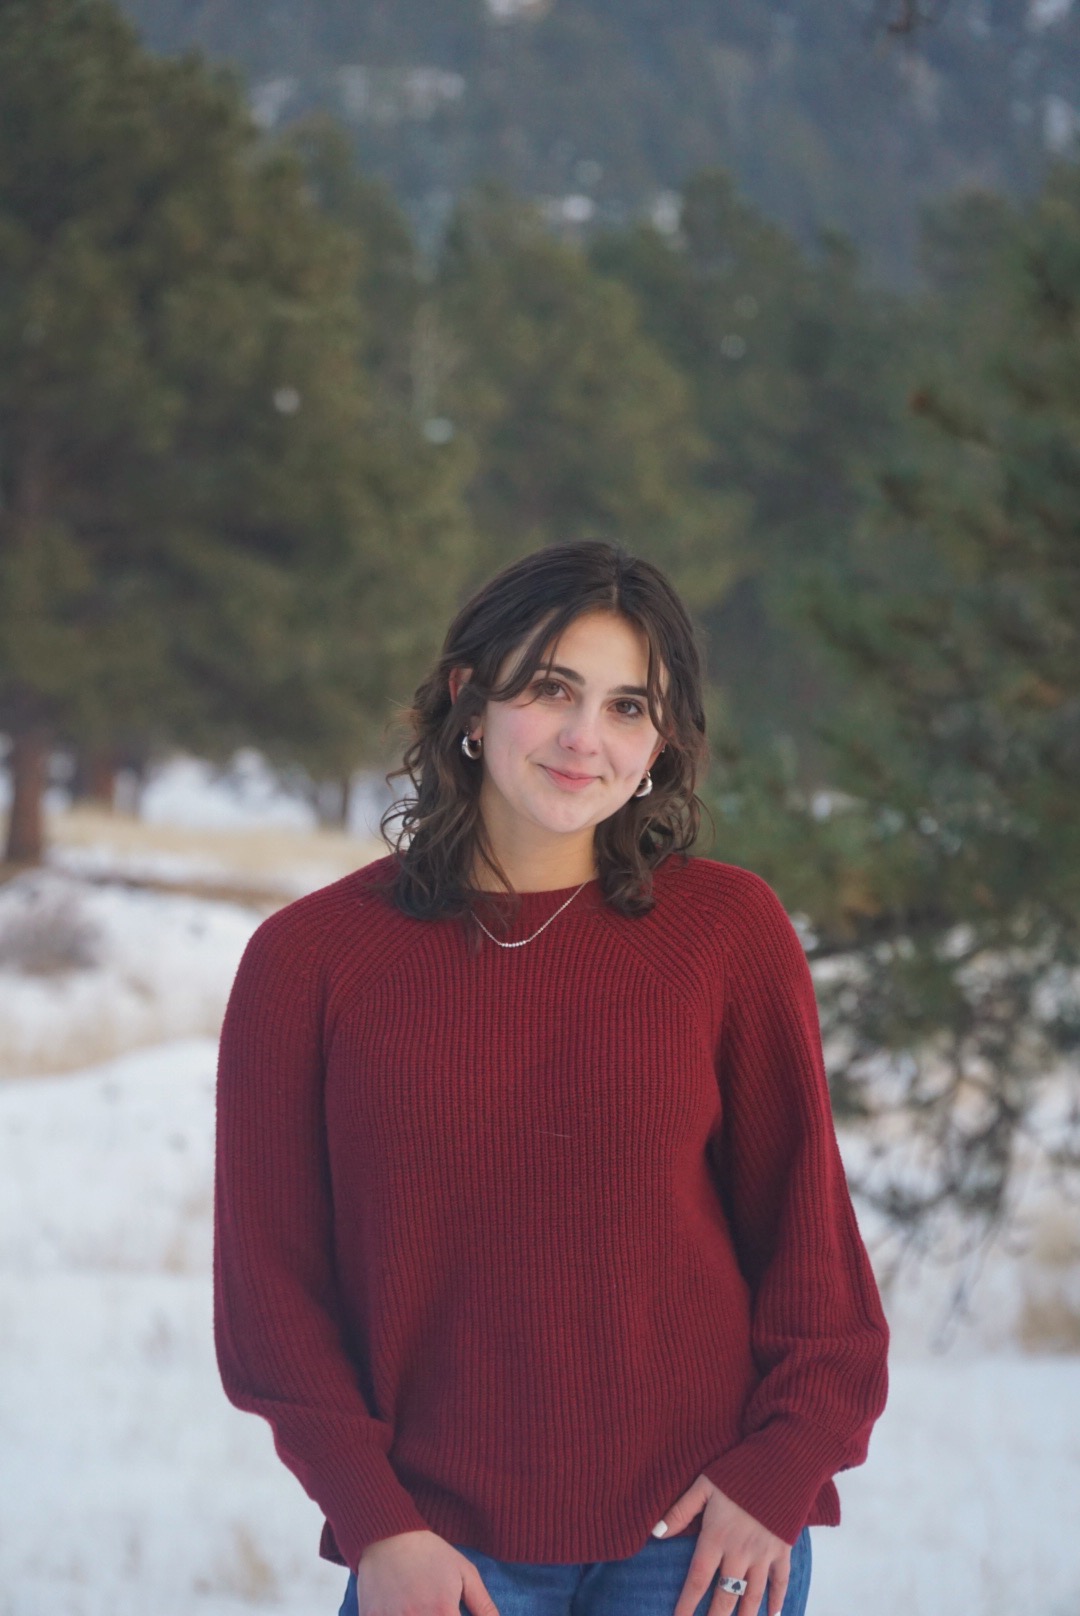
x=581, y=731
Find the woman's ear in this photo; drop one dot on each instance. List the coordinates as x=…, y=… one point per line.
x=458, y=677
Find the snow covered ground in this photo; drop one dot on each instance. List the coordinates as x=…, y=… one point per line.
x=129, y=1485
x=158, y=966
x=153, y=963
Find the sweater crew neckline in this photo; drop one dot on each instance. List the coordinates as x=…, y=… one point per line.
x=539, y=896
x=523, y=912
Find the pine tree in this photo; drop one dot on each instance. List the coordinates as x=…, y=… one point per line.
x=580, y=426
x=957, y=626
x=790, y=358
x=181, y=400
x=379, y=616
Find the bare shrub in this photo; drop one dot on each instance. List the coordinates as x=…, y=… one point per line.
x=45, y=933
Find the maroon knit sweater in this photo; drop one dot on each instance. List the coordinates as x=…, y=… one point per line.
x=512, y=1245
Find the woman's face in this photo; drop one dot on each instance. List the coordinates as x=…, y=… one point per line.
x=571, y=749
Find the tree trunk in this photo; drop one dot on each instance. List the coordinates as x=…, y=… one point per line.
x=101, y=778
x=28, y=764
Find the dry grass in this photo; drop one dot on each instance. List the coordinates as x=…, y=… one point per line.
x=88, y=1040
x=256, y=858
x=243, y=1571
x=1056, y=1242
x=1049, y=1318
x=1049, y=1323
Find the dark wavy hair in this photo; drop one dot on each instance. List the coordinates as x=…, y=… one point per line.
x=529, y=604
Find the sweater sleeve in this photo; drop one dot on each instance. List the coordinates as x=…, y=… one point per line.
x=277, y=1320
x=818, y=1332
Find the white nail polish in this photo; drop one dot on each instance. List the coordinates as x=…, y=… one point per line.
x=659, y=1529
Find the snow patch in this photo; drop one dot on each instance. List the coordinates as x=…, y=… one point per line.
x=191, y=792
x=162, y=968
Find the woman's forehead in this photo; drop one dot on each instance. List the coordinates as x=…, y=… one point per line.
x=613, y=633
x=597, y=625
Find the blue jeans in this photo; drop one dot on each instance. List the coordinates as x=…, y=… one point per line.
x=647, y=1584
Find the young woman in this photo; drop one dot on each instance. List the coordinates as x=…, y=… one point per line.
x=532, y=1239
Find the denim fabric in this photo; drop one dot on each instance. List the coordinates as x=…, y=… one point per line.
x=647, y=1584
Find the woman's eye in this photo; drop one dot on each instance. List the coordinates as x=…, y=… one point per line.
x=554, y=687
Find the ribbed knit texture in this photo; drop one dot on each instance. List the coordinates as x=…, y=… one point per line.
x=514, y=1245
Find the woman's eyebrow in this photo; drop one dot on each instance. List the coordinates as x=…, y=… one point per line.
x=616, y=690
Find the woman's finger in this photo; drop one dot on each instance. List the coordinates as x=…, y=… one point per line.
x=698, y=1580
x=779, y=1577
x=736, y=1570
x=753, y=1600
x=475, y=1596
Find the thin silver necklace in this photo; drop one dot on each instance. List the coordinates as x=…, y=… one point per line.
x=539, y=929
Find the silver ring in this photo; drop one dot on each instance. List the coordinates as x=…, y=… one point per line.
x=733, y=1585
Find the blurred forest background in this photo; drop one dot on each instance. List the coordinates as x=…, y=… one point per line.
x=305, y=333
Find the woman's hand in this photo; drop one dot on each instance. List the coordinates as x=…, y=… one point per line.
x=735, y=1544
x=421, y=1574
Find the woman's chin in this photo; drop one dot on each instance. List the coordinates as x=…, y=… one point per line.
x=563, y=818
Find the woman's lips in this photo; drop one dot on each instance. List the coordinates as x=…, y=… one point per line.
x=571, y=782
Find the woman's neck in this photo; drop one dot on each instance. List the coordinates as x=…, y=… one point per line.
x=538, y=869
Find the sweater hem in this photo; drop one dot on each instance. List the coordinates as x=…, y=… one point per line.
x=825, y=1512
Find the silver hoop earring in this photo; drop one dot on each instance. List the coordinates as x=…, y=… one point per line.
x=468, y=742
x=646, y=784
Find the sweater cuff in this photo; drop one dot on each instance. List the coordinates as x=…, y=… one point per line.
x=776, y=1474
x=363, y=1500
